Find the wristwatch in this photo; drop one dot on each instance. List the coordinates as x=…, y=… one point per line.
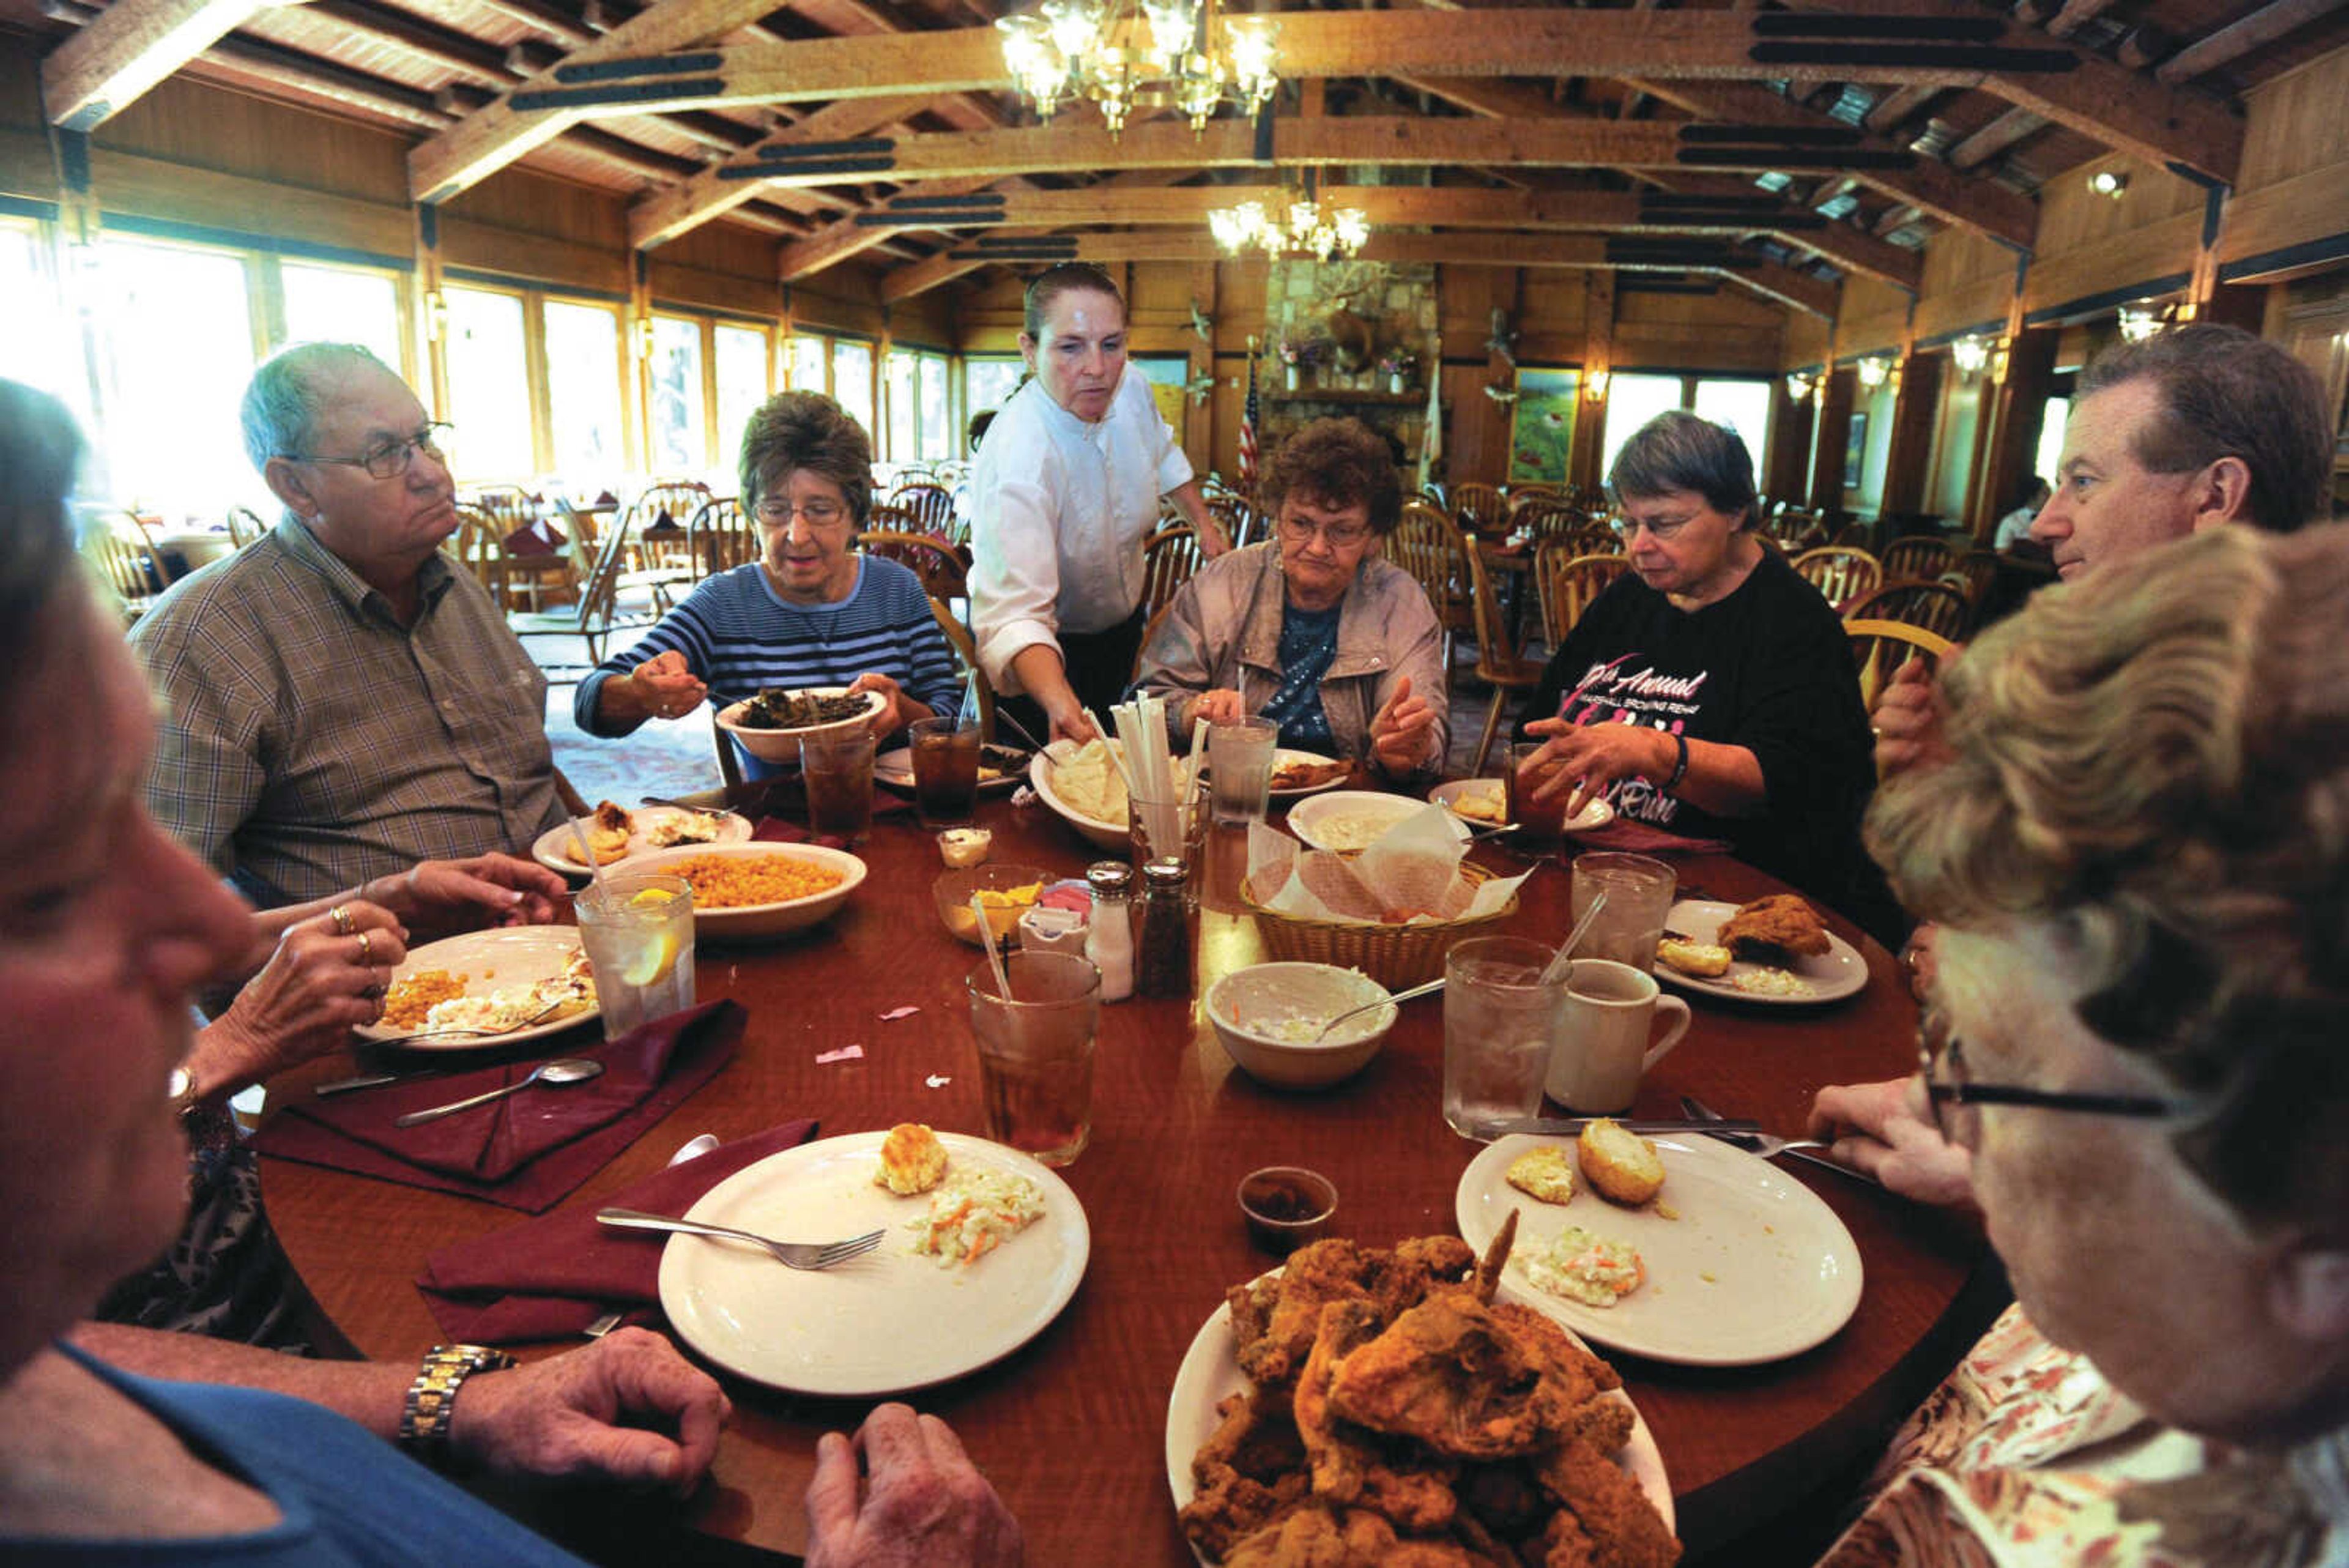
x=432, y=1397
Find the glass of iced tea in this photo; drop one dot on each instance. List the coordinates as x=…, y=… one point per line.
x=836, y=772
x=1035, y=1052
x=946, y=770
x=1541, y=823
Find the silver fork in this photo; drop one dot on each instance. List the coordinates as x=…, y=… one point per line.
x=791, y=1254
x=1770, y=1146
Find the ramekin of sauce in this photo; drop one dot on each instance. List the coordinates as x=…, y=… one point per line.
x=1286, y=1206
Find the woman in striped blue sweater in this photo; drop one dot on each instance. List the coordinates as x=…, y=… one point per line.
x=809, y=612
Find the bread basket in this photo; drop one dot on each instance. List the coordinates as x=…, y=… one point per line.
x=1395, y=956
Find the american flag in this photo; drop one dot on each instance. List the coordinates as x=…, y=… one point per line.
x=1249, y=414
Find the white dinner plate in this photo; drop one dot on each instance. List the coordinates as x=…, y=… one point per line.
x=1754, y=1269
x=1838, y=972
x=886, y=1323
x=1211, y=1374
x=1310, y=759
x=1594, y=812
x=492, y=960
x=1347, y=820
x=558, y=851
x=1108, y=834
x=895, y=767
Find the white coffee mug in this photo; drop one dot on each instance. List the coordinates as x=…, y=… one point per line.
x=1603, y=1046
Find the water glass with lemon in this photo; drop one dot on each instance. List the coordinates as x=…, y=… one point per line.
x=637, y=928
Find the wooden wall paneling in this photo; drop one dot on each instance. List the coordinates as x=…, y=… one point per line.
x=1908, y=456
x=1239, y=318
x=1873, y=319
x=2075, y=218
x=1599, y=313
x=26, y=168
x=1834, y=399
x=1979, y=305
x=190, y=123
x=694, y=287
x=1791, y=424
x=2158, y=251
x=176, y=192
x=2295, y=210
x=2298, y=125
x=1198, y=431
x=1805, y=340
x=526, y=254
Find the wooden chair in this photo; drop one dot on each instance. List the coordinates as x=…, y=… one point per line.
x=1141, y=649
x=1842, y=574
x=929, y=557
x=1880, y=647
x=597, y=615
x=965, y=652
x=1545, y=517
x=1934, y=606
x=1852, y=536
x=1915, y=558
x=1568, y=582
x=1169, y=557
x=651, y=546
x=119, y=566
x=1237, y=517
x=524, y=580
x=1590, y=540
x=245, y=527
x=930, y=506
x=1478, y=509
x=1974, y=572
x=1431, y=547
x=720, y=538
x=1498, y=664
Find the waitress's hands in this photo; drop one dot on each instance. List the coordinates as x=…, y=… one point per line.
x=665, y=685
x=1402, y=732
x=1070, y=721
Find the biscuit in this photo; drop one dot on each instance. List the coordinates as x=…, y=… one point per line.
x=1700, y=958
x=1623, y=1168
x=912, y=1160
x=1546, y=1173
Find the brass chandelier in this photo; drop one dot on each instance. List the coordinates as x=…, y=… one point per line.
x=1117, y=53
x=1310, y=228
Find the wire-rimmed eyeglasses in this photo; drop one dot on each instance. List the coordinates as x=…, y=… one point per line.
x=1941, y=1060
x=1339, y=536
x=390, y=460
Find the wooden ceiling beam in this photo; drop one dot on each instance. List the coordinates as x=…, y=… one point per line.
x=1897, y=107
x=2077, y=15
x=1995, y=138
x=830, y=247
x=661, y=216
x=484, y=142
x=127, y=50
x=1947, y=193
x=2231, y=43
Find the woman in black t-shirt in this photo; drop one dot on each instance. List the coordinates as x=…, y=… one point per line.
x=1711, y=691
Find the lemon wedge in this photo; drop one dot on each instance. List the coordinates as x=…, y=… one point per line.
x=651, y=899
x=650, y=965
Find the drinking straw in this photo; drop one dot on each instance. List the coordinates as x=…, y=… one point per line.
x=994, y=954
x=1199, y=734
x=587, y=855
x=1556, y=971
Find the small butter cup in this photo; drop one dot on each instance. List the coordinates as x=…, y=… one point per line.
x=1287, y=1206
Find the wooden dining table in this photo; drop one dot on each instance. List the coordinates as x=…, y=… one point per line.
x=1071, y=1427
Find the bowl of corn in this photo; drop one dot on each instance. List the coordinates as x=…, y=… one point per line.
x=756, y=889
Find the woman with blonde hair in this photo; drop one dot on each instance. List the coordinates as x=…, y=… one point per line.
x=2138, y=855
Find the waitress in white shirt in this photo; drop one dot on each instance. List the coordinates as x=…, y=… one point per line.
x=1065, y=492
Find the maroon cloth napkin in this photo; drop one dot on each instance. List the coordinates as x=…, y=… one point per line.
x=549, y=1278
x=1639, y=838
x=527, y=1151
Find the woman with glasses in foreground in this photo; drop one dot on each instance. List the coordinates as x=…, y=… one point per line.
x=1709, y=692
x=2138, y=856
x=811, y=612
x=1314, y=629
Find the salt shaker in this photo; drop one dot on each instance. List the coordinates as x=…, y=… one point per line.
x=1109, y=935
x=1161, y=961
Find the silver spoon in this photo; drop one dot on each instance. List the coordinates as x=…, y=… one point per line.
x=1429, y=989
x=562, y=1070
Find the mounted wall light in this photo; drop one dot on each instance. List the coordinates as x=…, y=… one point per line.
x=1873, y=371
x=1998, y=363
x=2109, y=183
x=2139, y=321
x=1799, y=386
x=1971, y=353
x=1594, y=385
x=436, y=315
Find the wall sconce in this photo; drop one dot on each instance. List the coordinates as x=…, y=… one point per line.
x=644, y=338
x=1799, y=386
x=2139, y=321
x=1594, y=385
x=436, y=315
x=1873, y=371
x=2109, y=183
x=1998, y=361
x=1971, y=353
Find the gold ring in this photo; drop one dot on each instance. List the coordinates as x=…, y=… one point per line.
x=341, y=916
x=367, y=951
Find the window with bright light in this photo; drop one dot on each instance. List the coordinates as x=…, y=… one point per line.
x=178, y=349
x=937, y=434
x=809, y=363
x=904, y=411
x=582, y=395
x=1744, y=406
x=1632, y=401
x=343, y=305
x=38, y=347
x=679, y=444
x=852, y=380
x=742, y=385
x=2044, y=462
x=489, y=387
x=989, y=380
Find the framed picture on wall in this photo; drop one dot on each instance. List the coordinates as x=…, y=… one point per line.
x=1855, y=452
x=1542, y=439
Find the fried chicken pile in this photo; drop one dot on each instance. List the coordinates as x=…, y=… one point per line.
x=1401, y=1417
x=1769, y=928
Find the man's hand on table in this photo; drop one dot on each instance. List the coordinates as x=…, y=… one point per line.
x=626, y=1408
x=919, y=1503
x=1887, y=1131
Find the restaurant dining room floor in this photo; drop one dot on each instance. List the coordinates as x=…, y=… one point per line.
x=678, y=757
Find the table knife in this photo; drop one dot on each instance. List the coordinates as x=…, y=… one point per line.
x=1569, y=1127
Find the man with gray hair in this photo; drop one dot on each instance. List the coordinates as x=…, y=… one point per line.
x=339, y=701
